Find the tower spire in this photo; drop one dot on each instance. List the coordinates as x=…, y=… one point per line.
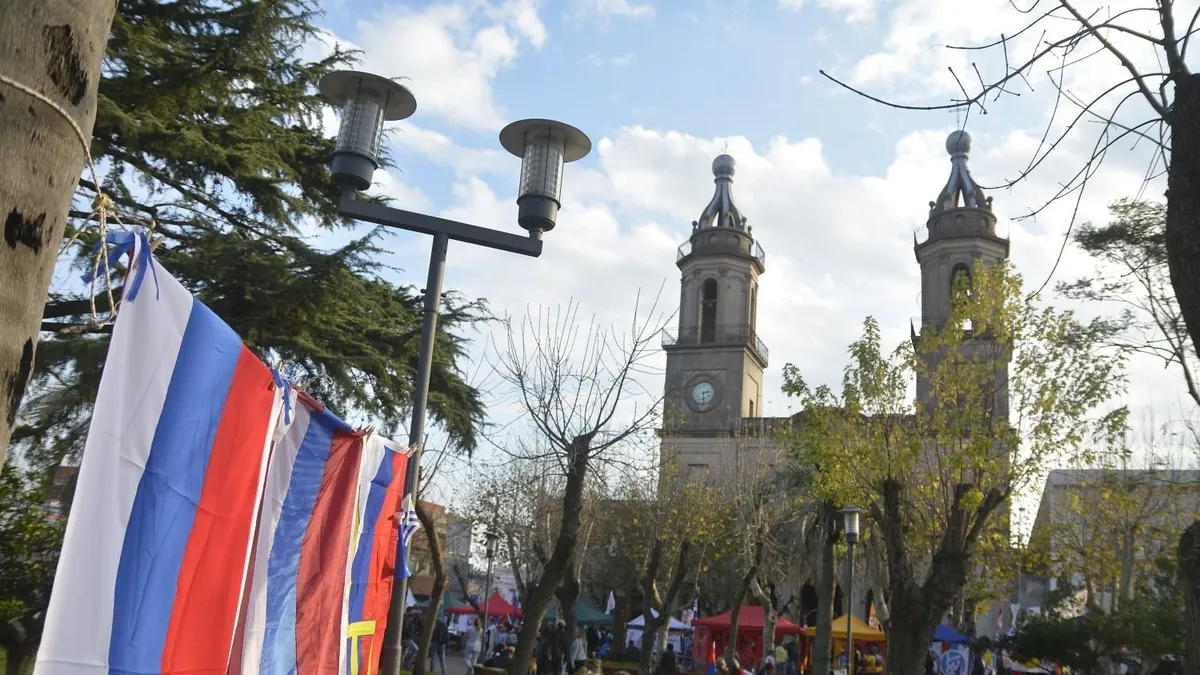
x=961, y=191
x=721, y=211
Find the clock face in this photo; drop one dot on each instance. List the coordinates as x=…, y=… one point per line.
x=703, y=393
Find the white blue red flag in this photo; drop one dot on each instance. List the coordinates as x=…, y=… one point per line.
x=295, y=609
x=372, y=568
x=407, y=517
x=155, y=556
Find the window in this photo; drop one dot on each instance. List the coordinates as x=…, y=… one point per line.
x=708, y=311
x=751, y=409
x=962, y=270
x=753, y=308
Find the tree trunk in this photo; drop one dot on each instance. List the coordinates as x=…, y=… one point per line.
x=736, y=604
x=908, y=642
x=1189, y=575
x=53, y=47
x=1182, y=231
x=567, y=594
x=15, y=661
x=770, y=615
x=822, y=654
x=434, y=610
x=653, y=603
x=564, y=548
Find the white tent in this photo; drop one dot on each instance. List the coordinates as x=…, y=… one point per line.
x=675, y=625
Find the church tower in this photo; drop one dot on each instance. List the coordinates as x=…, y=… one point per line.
x=715, y=361
x=962, y=229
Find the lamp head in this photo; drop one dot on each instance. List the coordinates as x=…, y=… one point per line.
x=490, y=538
x=543, y=146
x=366, y=101
x=850, y=516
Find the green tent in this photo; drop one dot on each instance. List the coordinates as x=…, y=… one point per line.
x=586, y=615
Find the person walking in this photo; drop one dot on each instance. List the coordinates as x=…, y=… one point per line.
x=472, y=643
x=441, y=636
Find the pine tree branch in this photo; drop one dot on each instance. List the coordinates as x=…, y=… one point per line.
x=80, y=307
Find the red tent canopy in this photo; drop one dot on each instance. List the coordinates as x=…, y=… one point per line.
x=497, y=606
x=749, y=618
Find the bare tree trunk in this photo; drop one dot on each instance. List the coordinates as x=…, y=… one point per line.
x=564, y=548
x=664, y=606
x=1182, y=231
x=770, y=613
x=736, y=604
x=567, y=594
x=1189, y=573
x=434, y=610
x=822, y=655
x=55, y=48
x=462, y=584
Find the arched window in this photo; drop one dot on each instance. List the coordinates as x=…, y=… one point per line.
x=959, y=268
x=962, y=270
x=708, y=311
x=753, y=308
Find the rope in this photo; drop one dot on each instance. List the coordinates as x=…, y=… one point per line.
x=103, y=208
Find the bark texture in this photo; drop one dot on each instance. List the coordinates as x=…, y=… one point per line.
x=654, y=602
x=577, y=456
x=434, y=611
x=1182, y=234
x=1189, y=574
x=54, y=47
x=735, y=605
x=826, y=585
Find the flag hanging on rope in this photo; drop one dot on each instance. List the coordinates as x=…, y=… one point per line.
x=155, y=554
x=296, y=599
x=407, y=520
x=372, y=570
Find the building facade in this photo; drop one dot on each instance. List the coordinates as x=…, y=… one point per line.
x=713, y=429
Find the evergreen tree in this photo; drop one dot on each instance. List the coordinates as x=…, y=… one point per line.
x=208, y=132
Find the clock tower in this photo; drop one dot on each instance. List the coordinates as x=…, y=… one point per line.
x=715, y=359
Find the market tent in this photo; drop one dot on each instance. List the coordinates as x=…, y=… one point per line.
x=497, y=606
x=585, y=615
x=860, y=631
x=944, y=633
x=750, y=618
x=674, y=625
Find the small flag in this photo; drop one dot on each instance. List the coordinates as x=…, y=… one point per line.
x=712, y=658
x=406, y=520
x=612, y=603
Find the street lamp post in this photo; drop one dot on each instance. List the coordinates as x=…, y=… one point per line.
x=367, y=101
x=489, y=551
x=850, y=521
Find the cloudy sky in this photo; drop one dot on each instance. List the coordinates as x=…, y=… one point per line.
x=835, y=186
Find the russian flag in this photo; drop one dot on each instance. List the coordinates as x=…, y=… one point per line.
x=296, y=599
x=382, y=481
x=155, y=554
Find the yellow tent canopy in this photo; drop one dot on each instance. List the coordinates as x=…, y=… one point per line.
x=861, y=631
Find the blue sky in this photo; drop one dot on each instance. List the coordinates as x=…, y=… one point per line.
x=835, y=186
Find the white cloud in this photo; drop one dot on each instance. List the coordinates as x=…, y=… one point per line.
x=605, y=9
x=451, y=53
x=855, y=10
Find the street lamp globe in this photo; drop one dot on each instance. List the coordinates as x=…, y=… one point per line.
x=850, y=522
x=367, y=101
x=543, y=146
x=490, y=538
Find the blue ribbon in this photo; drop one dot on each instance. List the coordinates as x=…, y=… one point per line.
x=123, y=242
x=286, y=387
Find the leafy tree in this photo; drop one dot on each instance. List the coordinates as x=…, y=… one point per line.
x=30, y=538
x=1149, y=627
x=208, y=125
x=936, y=475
